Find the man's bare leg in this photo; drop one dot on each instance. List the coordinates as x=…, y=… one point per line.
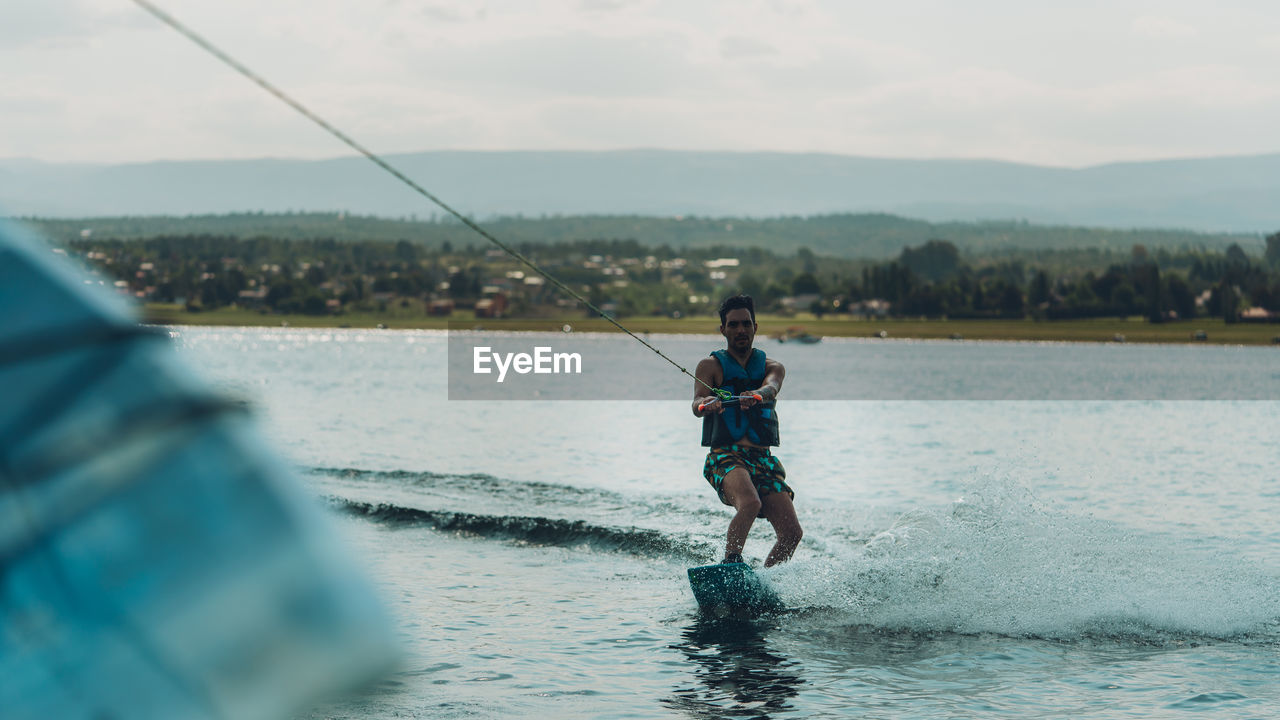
x=739, y=491
x=779, y=511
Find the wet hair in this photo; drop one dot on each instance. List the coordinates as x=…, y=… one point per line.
x=736, y=302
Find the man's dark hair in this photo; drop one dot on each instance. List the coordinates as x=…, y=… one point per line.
x=735, y=302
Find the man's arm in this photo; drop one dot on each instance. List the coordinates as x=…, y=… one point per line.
x=772, y=385
x=708, y=371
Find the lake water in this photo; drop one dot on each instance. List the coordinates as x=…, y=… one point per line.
x=992, y=530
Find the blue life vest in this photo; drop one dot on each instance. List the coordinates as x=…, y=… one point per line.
x=759, y=424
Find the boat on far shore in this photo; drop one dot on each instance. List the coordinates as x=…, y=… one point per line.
x=797, y=333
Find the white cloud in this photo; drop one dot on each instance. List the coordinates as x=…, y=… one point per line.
x=1158, y=26
x=448, y=13
x=996, y=78
x=736, y=47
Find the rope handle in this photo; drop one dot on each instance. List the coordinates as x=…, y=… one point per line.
x=725, y=396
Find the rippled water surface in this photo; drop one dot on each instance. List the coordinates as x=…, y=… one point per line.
x=1048, y=557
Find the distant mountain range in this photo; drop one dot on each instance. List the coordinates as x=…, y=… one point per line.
x=869, y=236
x=1234, y=194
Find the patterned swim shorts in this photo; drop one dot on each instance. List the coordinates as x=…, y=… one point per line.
x=766, y=472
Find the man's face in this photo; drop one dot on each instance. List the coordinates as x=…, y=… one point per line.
x=738, y=329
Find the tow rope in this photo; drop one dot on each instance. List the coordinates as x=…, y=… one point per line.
x=347, y=140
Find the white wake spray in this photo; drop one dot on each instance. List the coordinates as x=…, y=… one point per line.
x=999, y=561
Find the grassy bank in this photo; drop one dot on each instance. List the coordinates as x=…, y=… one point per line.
x=1099, y=330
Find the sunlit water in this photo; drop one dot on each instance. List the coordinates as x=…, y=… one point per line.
x=962, y=558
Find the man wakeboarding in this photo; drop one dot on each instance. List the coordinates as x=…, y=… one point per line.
x=740, y=431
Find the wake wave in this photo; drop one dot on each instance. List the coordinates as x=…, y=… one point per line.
x=502, y=497
x=997, y=561
x=472, y=484
x=532, y=530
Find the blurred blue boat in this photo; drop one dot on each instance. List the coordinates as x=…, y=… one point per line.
x=156, y=560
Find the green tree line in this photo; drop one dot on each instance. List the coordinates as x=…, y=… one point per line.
x=932, y=279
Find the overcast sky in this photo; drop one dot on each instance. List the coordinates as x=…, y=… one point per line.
x=1054, y=83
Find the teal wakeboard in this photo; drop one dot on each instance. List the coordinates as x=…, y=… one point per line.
x=731, y=587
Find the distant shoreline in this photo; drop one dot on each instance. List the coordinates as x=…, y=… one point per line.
x=1105, y=330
